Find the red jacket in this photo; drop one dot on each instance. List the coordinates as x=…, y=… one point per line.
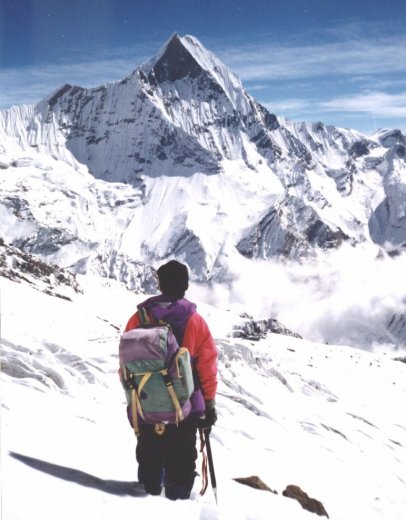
x=198, y=340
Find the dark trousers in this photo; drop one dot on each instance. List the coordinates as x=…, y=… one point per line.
x=168, y=459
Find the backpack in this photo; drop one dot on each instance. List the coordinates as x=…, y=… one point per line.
x=156, y=374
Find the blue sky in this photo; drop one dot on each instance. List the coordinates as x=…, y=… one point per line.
x=342, y=62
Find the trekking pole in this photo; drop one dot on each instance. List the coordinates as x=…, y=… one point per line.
x=211, y=465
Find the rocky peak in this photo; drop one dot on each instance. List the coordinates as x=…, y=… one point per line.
x=185, y=58
x=176, y=62
x=390, y=138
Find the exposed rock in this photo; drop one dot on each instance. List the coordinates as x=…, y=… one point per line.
x=387, y=224
x=275, y=236
x=176, y=62
x=389, y=138
x=258, y=329
x=50, y=279
x=291, y=491
x=359, y=148
x=254, y=482
x=311, y=504
x=397, y=328
x=108, y=263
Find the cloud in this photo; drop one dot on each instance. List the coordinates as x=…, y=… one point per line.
x=345, y=296
x=289, y=105
x=376, y=104
x=30, y=84
x=379, y=104
x=332, y=76
x=274, y=62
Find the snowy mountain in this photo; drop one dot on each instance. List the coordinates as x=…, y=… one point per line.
x=297, y=230
x=182, y=128
x=178, y=160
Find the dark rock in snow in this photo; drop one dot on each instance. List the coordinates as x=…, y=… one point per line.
x=276, y=236
x=23, y=267
x=258, y=329
x=176, y=62
x=311, y=504
x=254, y=482
x=397, y=328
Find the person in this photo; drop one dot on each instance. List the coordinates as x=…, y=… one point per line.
x=169, y=459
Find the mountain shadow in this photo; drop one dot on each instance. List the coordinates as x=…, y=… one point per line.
x=114, y=487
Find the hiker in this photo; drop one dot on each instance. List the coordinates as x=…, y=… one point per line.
x=168, y=458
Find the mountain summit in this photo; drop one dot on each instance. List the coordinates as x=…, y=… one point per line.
x=179, y=160
x=183, y=57
x=176, y=62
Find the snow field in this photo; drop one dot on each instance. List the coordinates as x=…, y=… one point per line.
x=324, y=417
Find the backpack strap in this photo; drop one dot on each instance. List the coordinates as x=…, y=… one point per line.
x=146, y=318
x=180, y=353
x=135, y=408
x=172, y=393
x=144, y=315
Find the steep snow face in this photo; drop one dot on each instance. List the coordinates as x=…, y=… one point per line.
x=178, y=160
x=68, y=218
x=31, y=128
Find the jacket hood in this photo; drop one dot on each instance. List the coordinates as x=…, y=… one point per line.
x=176, y=313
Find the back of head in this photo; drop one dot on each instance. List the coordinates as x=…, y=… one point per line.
x=173, y=279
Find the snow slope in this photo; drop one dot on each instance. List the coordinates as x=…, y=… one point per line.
x=327, y=418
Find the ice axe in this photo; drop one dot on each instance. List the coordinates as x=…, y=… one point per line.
x=206, y=434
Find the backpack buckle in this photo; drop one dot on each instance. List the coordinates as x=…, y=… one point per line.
x=160, y=428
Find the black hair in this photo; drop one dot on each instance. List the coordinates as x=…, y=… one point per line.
x=173, y=279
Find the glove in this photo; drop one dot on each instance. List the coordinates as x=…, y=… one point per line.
x=209, y=418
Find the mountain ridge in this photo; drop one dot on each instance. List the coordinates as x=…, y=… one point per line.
x=182, y=129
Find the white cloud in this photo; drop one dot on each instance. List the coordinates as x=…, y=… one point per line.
x=30, y=84
x=382, y=55
x=346, y=296
x=379, y=104
x=289, y=105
